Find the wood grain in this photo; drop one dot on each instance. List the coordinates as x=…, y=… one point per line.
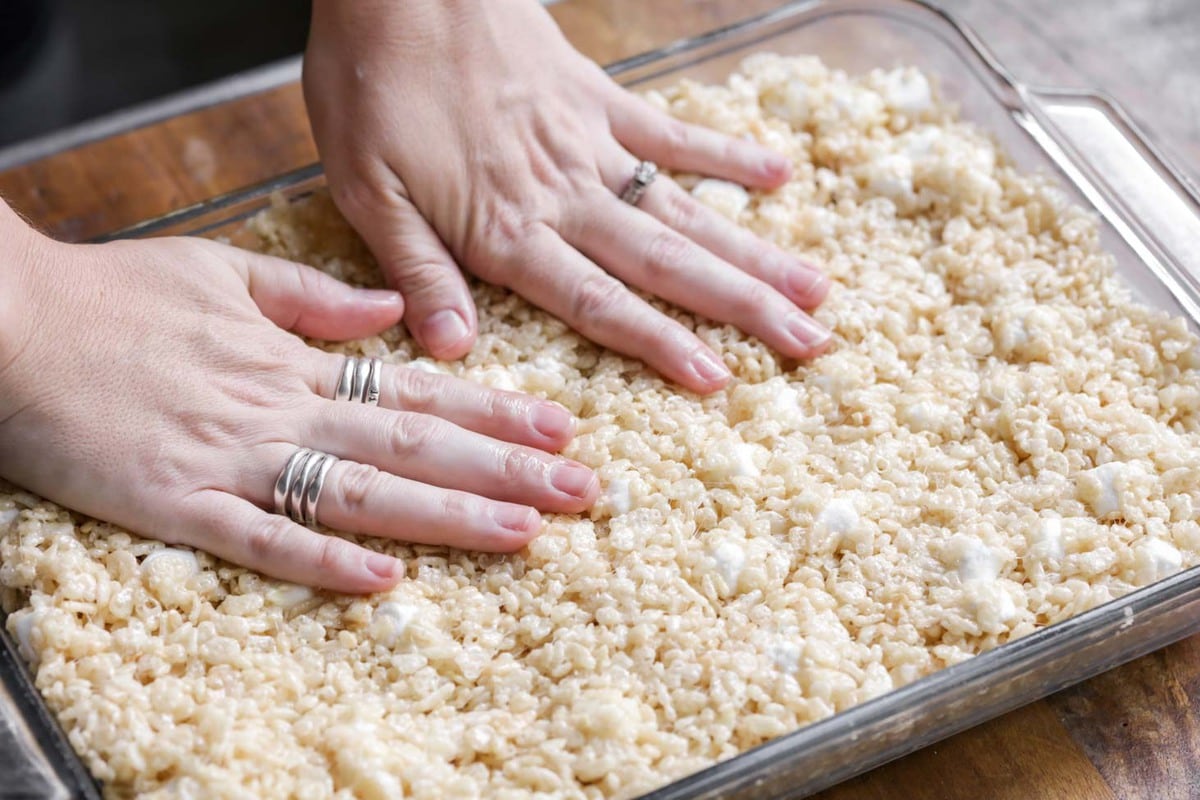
x=1131, y=733
x=1024, y=755
x=113, y=183
x=1140, y=724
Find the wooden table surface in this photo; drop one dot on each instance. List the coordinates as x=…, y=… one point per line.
x=1133, y=732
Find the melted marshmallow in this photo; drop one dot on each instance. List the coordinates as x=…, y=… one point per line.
x=1155, y=559
x=498, y=378
x=743, y=461
x=391, y=621
x=786, y=401
x=785, y=655
x=927, y=416
x=288, y=595
x=972, y=559
x=1100, y=487
x=727, y=198
x=920, y=143
x=1047, y=539
x=619, y=495
x=730, y=559
x=892, y=176
x=425, y=365
x=839, y=516
x=23, y=630
x=907, y=91
x=172, y=561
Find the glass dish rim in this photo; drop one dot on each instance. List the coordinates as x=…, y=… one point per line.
x=622, y=67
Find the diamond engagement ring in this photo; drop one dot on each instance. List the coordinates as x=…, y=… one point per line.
x=643, y=175
x=360, y=380
x=298, y=487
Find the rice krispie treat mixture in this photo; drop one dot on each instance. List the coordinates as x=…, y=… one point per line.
x=999, y=439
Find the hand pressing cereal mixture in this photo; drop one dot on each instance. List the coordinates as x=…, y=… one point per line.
x=1003, y=438
x=153, y=384
x=472, y=132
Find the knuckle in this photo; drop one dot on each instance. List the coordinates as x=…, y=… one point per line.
x=354, y=195
x=665, y=251
x=411, y=434
x=364, y=189
x=504, y=406
x=359, y=482
x=732, y=150
x=458, y=507
x=755, y=298
x=493, y=406
x=420, y=275
x=681, y=211
x=677, y=137
x=514, y=464
x=417, y=390
x=597, y=298
x=501, y=230
x=268, y=539
x=327, y=558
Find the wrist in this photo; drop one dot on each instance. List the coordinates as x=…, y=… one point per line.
x=22, y=250
x=419, y=24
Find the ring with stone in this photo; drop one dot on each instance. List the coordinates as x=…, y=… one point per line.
x=643, y=175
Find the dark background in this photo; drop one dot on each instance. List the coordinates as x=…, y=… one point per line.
x=64, y=61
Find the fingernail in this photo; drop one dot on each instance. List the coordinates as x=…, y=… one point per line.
x=383, y=566
x=777, y=166
x=443, y=330
x=382, y=297
x=572, y=479
x=710, y=368
x=552, y=420
x=514, y=518
x=807, y=331
x=806, y=282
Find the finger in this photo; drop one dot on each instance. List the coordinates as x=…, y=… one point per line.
x=431, y=450
x=242, y=533
x=556, y=277
x=364, y=499
x=305, y=300
x=653, y=135
x=510, y=416
x=799, y=281
x=439, y=313
x=642, y=251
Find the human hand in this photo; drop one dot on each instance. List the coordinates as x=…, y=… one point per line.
x=152, y=384
x=471, y=130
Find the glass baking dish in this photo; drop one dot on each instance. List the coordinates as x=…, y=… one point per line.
x=1150, y=220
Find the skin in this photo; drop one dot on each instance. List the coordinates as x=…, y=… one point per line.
x=158, y=385
x=449, y=140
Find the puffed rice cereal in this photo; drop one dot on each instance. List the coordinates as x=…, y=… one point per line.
x=999, y=439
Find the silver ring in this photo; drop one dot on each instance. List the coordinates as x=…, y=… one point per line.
x=373, y=382
x=360, y=380
x=643, y=175
x=312, y=492
x=283, y=484
x=298, y=487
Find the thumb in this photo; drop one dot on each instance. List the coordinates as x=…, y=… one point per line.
x=305, y=300
x=439, y=313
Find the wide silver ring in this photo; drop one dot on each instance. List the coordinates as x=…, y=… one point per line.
x=360, y=380
x=298, y=487
x=643, y=175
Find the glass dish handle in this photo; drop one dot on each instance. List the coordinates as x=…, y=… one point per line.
x=1150, y=203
